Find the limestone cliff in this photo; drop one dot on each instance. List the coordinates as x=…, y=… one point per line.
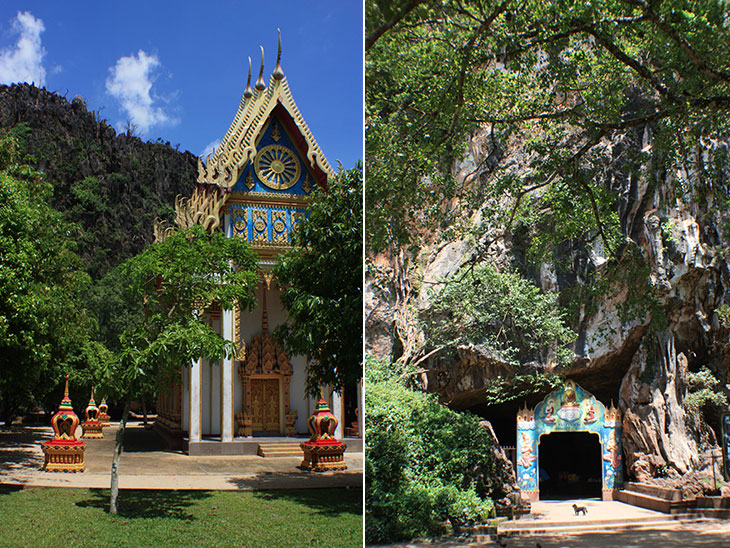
x=638, y=357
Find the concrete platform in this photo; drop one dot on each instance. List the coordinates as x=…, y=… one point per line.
x=249, y=446
x=147, y=464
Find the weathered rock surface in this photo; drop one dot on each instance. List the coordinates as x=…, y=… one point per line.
x=670, y=218
x=112, y=185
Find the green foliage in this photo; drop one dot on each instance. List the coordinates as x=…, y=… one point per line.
x=503, y=313
x=520, y=386
x=424, y=463
x=322, y=280
x=555, y=80
x=701, y=390
x=44, y=328
x=177, y=279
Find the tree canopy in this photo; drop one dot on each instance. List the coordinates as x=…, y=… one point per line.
x=322, y=285
x=44, y=328
x=565, y=77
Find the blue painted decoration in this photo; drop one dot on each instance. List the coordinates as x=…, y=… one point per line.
x=569, y=409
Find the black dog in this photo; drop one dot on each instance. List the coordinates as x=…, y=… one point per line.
x=579, y=509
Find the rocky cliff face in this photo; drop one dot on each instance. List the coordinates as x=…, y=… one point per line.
x=112, y=185
x=641, y=358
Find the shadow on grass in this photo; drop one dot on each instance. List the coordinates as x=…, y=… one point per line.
x=328, y=502
x=7, y=489
x=148, y=504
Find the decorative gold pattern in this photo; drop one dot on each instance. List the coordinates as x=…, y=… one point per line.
x=241, y=355
x=259, y=225
x=265, y=405
x=278, y=219
x=224, y=166
x=250, y=183
x=277, y=167
x=202, y=208
x=296, y=217
x=306, y=184
x=239, y=224
x=265, y=360
x=275, y=134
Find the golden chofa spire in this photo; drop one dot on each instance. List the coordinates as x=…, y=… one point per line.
x=248, y=93
x=260, y=82
x=278, y=74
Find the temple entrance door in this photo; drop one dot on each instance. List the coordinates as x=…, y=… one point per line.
x=265, y=405
x=569, y=465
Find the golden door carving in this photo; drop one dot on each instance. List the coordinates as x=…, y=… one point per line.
x=265, y=404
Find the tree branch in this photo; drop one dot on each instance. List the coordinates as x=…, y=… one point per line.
x=385, y=27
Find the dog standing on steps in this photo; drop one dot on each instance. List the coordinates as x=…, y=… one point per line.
x=578, y=509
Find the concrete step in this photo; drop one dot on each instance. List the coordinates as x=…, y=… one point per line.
x=280, y=450
x=651, y=502
x=532, y=527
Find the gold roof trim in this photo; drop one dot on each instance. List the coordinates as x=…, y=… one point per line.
x=223, y=167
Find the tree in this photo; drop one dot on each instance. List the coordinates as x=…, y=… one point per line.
x=567, y=77
x=44, y=329
x=569, y=84
x=501, y=313
x=177, y=279
x=322, y=279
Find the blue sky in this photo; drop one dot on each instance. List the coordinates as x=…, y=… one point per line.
x=177, y=69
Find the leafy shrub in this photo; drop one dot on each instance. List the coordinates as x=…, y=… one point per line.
x=502, y=312
x=424, y=462
x=701, y=390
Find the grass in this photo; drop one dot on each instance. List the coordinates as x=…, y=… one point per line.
x=54, y=518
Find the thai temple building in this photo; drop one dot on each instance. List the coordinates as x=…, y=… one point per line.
x=254, y=186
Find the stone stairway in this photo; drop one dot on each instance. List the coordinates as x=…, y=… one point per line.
x=557, y=518
x=280, y=449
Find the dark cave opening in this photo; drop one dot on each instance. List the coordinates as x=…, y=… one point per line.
x=569, y=465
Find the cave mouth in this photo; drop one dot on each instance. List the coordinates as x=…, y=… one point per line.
x=570, y=465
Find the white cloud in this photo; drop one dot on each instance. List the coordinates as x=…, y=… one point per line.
x=130, y=83
x=210, y=148
x=22, y=62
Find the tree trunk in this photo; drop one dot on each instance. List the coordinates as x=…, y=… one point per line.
x=117, y=457
x=144, y=412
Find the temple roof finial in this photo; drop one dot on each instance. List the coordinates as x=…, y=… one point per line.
x=248, y=93
x=278, y=73
x=65, y=390
x=260, y=82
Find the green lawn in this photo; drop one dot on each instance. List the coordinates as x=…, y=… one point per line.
x=65, y=518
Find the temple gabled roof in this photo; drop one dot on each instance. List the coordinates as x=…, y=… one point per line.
x=224, y=166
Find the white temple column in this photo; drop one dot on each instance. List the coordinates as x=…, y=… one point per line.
x=227, y=381
x=195, y=401
x=337, y=412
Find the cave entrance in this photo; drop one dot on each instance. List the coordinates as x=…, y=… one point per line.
x=569, y=465
x=578, y=440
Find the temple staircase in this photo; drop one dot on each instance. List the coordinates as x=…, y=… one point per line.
x=280, y=449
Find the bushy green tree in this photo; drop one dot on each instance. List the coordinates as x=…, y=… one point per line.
x=424, y=463
x=501, y=312
x=177, y=279
x=322, y=285
x=44, y=328
x=562, y=79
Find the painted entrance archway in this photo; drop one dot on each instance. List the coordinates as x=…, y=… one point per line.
x=568, y=409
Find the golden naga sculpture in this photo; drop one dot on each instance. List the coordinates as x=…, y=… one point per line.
x=202, y=208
